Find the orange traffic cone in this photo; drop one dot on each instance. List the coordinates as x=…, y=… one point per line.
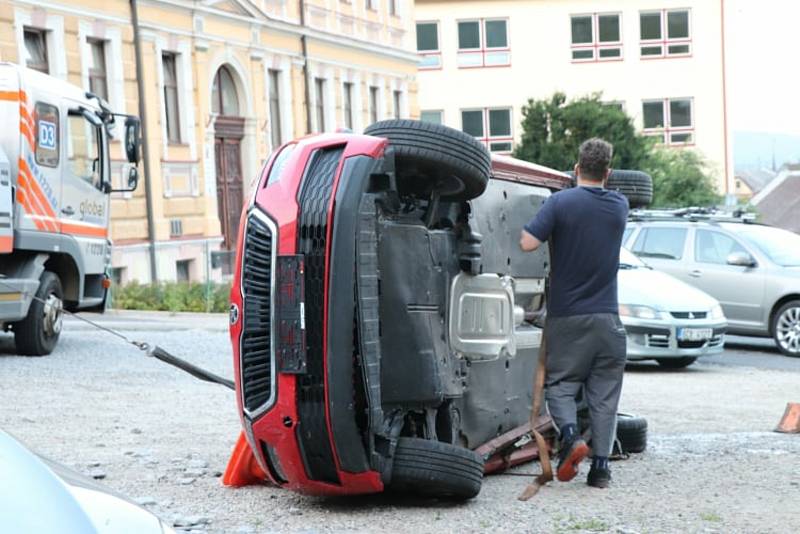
x=243, y=469
x=790, y=422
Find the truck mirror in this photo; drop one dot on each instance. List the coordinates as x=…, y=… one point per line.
x=133, y=178
x=132, y=139
x=130, y=175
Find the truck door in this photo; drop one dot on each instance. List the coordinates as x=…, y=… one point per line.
x=84, y=204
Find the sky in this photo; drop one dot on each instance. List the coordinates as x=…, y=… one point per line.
x=764, y=78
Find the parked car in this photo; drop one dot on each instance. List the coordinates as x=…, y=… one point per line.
x=752, y=269
x=667, y=320
x=38, y=495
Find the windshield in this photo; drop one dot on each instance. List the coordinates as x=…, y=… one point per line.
x=629, y=260
x=781, y=246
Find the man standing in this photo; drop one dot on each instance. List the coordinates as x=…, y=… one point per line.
x=586, y=343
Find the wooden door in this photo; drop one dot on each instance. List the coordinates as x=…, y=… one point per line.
x=228, y=156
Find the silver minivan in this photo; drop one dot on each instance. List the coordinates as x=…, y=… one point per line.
x=752, y=269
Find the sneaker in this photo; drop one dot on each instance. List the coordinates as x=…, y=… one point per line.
x=569, y=458
x=599, y=478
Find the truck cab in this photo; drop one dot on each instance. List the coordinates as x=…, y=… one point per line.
x=55, y=184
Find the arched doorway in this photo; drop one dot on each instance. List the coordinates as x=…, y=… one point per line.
x=228, y=134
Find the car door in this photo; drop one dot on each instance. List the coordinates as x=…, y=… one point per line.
x=84, y=204
x=740, y=290
x=663, y=248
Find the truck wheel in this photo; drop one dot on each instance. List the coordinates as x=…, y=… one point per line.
x=637, y=186
x=631, y=433
x=37, y=334
x=435, y=469
x=432, y=157
x=786, y=329
x=676, y=363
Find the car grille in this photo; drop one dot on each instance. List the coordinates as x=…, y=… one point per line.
x=658, y=340
x=255, y=353
x=313, y=202
x=689, y=315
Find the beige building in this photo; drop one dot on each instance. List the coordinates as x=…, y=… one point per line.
x=661, y=60
x=224, y=83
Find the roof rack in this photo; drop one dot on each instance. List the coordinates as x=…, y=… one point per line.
x=694, y=214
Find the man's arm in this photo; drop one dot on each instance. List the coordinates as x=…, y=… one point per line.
x=538, y=230
x=527, y=242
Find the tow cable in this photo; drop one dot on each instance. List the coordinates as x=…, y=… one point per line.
x=150, y=350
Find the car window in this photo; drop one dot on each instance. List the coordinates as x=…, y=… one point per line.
x=83, y=149
x=626, y=234
x=714, y=247
x=662, y=243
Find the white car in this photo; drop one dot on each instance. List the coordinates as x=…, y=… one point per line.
x=667, y=320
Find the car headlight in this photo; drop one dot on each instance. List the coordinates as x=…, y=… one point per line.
x=639, y=312
x=716, y=312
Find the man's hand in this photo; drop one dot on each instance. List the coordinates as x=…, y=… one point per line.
x=527, y=242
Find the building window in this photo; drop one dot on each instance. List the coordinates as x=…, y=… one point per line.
x=319, y=85
x=224, y=100
x=274, y=108
x=669, y=120
x=369, y=4
x=373, y=105
x=665, y=33
x=483, y=43
x=182, y=270
x=397, y=96
x=433, y=116
x=428, y=45
x=596, y=37
x=171, y=110
x=36, y=50
x=491, y=126
x=394, y=8
x=347, y=89
x=98, y=78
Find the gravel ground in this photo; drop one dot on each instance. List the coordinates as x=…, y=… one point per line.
x=163, y=438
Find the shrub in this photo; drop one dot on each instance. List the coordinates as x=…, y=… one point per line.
x=172, y=296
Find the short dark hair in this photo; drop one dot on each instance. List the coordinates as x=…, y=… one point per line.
x=594, y=158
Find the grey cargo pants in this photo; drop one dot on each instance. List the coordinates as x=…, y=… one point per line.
x=586, y=350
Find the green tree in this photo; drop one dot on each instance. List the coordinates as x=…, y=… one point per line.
x=680, y=179
x=553, y=129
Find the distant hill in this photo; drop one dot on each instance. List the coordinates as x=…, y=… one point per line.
x=754, y=150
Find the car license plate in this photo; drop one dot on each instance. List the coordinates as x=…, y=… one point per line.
x=694, y=334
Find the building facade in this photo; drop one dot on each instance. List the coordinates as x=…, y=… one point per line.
x=224, y=83
x=661, y=60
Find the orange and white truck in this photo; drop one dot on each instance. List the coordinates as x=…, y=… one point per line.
x=55, y=184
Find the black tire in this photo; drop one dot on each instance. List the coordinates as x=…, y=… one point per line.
x=637, y=186
x=787, y=318
x=435, y=469
x=30, y=335
x=433, y=156
x=631, y=433
x=676, y=363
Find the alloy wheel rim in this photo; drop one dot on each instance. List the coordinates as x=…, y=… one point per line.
x=788, y=329
x=53, y=308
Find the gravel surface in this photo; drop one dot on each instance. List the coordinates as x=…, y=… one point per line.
x=163, y=438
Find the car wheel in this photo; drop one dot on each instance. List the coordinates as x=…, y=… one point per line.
x=432, y=157
x=436, y=469
x=676, y=363
x=631, y=433
x=637, y=186
x=786, y=328
x=37, y=334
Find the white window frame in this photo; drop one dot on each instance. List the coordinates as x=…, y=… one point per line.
x=430, y=59
x=665, y=133
x=283, y=66
x=115, y=77
x=466, y=57
x=487, y=139
x=439, y=111
x=595, y=46
x=665, y=42
x=53, y=25
x=183, y=72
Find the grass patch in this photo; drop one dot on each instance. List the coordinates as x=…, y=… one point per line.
x=711, y=517
x=172, y=296
x=592, y=525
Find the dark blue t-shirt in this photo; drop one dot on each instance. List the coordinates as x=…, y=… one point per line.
x=584, y=226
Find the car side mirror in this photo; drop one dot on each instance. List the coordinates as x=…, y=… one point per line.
x=131, y=174
x=133, y=141
x=741, y=259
